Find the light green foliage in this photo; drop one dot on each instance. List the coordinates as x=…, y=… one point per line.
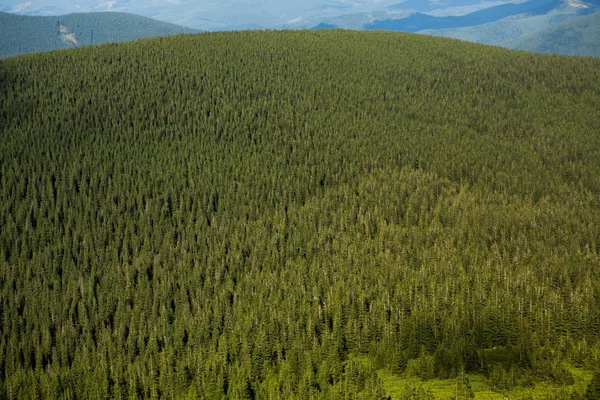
x=244, y=214
x=483, y=388
x=593, y=389
x=463, y=387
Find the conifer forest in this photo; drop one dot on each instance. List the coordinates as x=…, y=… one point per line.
x=298, y=215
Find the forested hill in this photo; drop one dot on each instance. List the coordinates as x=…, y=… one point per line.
x=299, y=214
x=21, y=34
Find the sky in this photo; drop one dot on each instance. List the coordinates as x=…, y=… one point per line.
x=228, y=14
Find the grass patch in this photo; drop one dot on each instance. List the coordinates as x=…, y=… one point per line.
x=397, y=386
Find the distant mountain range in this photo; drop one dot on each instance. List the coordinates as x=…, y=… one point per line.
x=20, y=34
x=417, y=22
x=527, y=25
x=576, y=36
x=553, y=26
x=214, y=15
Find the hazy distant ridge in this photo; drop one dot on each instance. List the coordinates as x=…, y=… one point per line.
x=417, y=22
x=549, y=26
x=21, y=34
x=576, y=36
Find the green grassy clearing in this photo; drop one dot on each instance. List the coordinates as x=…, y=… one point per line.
x=396, y=387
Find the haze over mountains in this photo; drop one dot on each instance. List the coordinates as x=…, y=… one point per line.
x=497, y=22
x=578, y=36
x=235, y=14
x=500, y=24
x=524, y=21
x=209, y=14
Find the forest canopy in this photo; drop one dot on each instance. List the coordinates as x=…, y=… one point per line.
x=287, y=214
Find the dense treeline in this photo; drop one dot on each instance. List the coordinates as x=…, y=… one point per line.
x=254, y=215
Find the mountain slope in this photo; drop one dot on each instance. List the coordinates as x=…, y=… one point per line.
x=428, y=6
x=418, y=21
x=405, y=11
x=283, y=214
x=576, y=36
x=498, y=25
x=21, y=34
x=515, y=26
